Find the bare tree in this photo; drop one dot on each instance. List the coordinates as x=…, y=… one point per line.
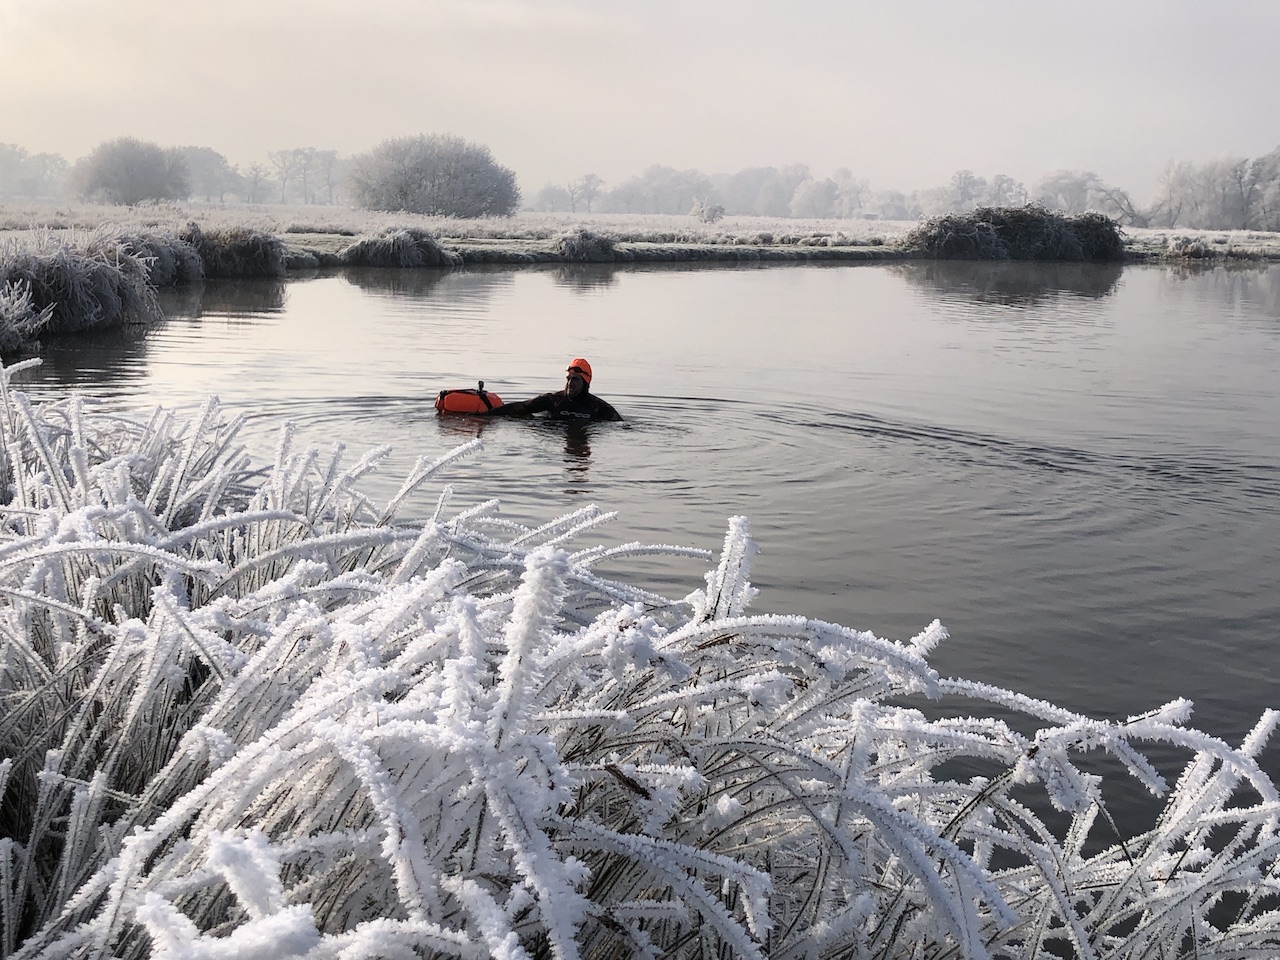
x=329, y=168
x=286, y=165
x=255, y=181
x=573, y=191
x=305, y=167
x=589, y=188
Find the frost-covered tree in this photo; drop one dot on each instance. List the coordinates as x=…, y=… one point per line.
x=211, y=175
x=589, y=185
x=552, y=198
x=853, y=193
x=435, y=174
x=1081, y=191
x=254, y=181
x=1221, y=194
x=1067, y=191
x=574, y=193
x=285, y=163
x=1004, y=191
x=815, y=198
x=128, y=171
x=765, y=191
x=329, y=170
x=12, y=160
x=706, y=211
x=30, y=174
x=659, y=190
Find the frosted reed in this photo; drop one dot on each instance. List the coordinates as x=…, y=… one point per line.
x=253, y=713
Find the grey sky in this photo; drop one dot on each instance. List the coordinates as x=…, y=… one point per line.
x=902, y=92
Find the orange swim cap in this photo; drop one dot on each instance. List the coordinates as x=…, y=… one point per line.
x=581, y=366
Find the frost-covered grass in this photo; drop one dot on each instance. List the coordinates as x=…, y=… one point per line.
x=235, y=252
x=67, y=281
x=1224, y=245
x=252, y=713
x=74, y=283
x=394, y=247
x=299, y=221
x=21, y=319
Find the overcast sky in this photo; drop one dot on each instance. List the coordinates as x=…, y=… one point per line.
x=902, y=92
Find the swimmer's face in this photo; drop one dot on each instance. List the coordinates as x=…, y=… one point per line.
x=573, y=383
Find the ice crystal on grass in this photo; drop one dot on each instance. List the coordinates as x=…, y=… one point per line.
x=253, y=713
x=20, y=320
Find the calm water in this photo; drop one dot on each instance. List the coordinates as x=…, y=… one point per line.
x=1075, y=468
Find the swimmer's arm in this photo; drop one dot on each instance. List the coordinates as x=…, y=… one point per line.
x=522, y=408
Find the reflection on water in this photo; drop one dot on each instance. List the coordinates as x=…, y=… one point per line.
x=586, y=277
x=577, y=454
x=224, y=298
x=1240, y=283
x=1012, y=283
x=390, y=281
x=87, y=360
x=461, y=428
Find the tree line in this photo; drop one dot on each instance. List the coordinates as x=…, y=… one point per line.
x=443, y=174
x=1231, y=194
x=433, y=174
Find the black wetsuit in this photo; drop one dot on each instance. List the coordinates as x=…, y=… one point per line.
x=560, y=406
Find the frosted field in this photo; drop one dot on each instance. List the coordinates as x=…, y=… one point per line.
x=20, y=216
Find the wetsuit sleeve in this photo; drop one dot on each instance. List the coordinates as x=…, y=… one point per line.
x=523, y=408
x=604, y=411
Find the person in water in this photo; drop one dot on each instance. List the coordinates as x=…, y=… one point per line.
x=574, y=402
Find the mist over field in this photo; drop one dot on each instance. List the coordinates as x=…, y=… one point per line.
x=890, y=112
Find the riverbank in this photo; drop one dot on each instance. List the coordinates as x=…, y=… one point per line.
x=317, y=235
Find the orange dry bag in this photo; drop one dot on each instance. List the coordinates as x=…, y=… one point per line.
x=467, y=401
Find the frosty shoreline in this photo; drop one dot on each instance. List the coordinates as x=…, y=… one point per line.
x=249, y=712
x=314, y=235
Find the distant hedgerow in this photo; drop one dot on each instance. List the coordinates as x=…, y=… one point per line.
x=1017, y=233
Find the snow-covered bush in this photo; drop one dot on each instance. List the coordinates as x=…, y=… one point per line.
x=236, y=251
x=398, y=247
x=586, y=246
x=255, y=714
x=1029, y=232
x=98, y=283
x=706, y=210
x=1189, y=248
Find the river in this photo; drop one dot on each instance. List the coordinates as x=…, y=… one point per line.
x=1075, y=467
